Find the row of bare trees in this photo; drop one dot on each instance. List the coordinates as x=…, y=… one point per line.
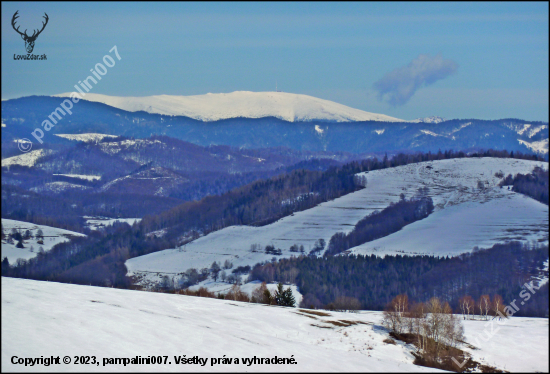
x=432, y=326
x=484, y=306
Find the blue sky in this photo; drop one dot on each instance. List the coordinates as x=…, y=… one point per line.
x=495, y=54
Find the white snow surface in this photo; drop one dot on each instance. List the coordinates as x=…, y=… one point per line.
x=52, y=236
x=464, y=217
x=533, y=131
x=212, y=107
x=56, y=319
x=26, y=159
x=517, y=344
x=58, y=187
x=540, y=146
x=82, y=176
x=428, y=132
x=451, y=231
x=86, y=138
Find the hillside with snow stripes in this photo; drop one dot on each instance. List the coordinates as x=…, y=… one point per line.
x=465, y=216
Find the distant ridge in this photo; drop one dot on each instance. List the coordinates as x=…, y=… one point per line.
x=212, y=107
x=432, y=119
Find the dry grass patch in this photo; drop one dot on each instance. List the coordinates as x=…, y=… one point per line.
x=306, y=315
x=314, y=312
x=355, y=322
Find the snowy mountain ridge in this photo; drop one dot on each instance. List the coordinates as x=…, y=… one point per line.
x=432, y=119
x=213, y=107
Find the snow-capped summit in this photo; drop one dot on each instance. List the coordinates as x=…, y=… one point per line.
x=212, y=107
x=432, y=119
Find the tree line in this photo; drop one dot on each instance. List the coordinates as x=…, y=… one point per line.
x=379, y=224
x=503, y=269
x=534, y=185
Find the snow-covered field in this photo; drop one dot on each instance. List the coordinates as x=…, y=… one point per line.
x=96, y=223
x=464, y=217
x=55, y=319
x=517, y=344
x=212, y=107
x=52, y=236
x=452, y=230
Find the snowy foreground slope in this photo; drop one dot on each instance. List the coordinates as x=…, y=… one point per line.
x=52, y=236
x=44, y=319
x=55, y=319
x=464, y=217
x=212, y=107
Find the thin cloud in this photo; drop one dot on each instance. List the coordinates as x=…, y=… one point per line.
x=399, y=85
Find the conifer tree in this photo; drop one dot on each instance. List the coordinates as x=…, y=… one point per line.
x=284, y=297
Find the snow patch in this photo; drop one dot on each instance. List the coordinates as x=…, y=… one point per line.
x=58, y=187
x=86, y=138
x=82, y=176
x=534, y=131
x=26, y=159
x=428, y=132
x=540, y=146
x=525, y=128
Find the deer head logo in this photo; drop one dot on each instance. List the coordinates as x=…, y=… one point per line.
x=29, y=40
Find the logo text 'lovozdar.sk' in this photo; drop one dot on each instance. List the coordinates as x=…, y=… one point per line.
x=29, y=40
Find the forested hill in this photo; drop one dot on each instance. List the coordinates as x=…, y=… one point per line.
x=259, y=203
x=99, y=259
x=534, y=185
x=21, y=116
x=374, y=281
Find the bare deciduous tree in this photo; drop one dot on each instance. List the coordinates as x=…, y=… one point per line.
x=261, y=294
x=498, y=306
x=434, y=324
x=395, y=313
x=484, y=305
